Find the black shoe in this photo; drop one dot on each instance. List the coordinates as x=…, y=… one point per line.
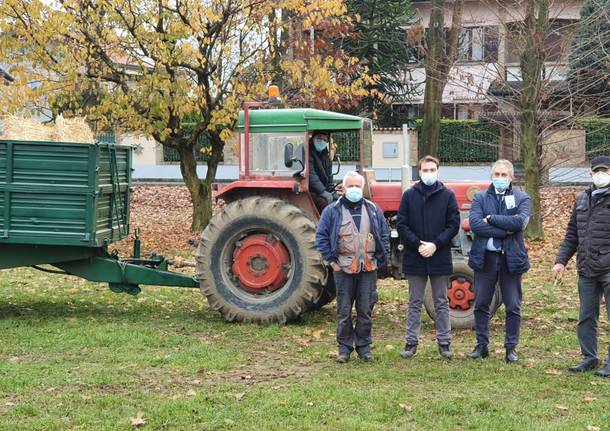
x=445, y=351
x=511, y=356
x=604, y=372
x=367, y=357
x=587, y=364
x=479, y=352
x=342, y=358
x=409, y=352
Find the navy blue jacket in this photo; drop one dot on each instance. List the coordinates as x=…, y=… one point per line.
x=505, y=224
x=432, y=218
x=327, y=233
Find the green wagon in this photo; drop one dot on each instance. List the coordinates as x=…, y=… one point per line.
x=63, y=204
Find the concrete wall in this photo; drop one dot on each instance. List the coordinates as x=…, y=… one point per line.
x=146, y=150
x=564, y=148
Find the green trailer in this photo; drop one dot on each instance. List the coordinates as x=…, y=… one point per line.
x=63, y=204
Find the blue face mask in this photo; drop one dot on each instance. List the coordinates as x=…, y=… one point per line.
x=429, y=178
x=353, y=194
x=501, y=184
x=320, y=145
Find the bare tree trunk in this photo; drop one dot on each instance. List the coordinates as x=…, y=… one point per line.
x=532, y=69
x=200, y=193
x=441, y=53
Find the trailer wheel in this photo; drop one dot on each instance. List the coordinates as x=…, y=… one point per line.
x=257, y=261
x=461, y=297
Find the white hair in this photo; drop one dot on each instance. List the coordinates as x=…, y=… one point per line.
x=353, y=174
x=506, y=163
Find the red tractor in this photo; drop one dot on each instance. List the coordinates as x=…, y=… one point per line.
x=257, y=260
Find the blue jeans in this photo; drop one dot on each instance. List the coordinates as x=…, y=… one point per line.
x=590, y=291
x=354, y=288
x=495, y=270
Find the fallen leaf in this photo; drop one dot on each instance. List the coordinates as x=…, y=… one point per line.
x=196, y=382
x=239, y=396
x=553, y=372
x=389, y=347
x=310, y=403
x=561, y=408
x=406, y=407
x=318, y=334
x=592, y=428
x=14, y=359
x=246, y=377
x=588, y=400
x=9, y=404
x=200, y=372
x=229, y=421
x=191, y=393
x=70, y=319
x=138, y=420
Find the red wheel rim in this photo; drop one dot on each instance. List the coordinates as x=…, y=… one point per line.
x=260, y=263
x=460, y=294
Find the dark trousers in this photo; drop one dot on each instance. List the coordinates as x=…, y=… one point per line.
x=495, y=270
x=354, y=288
x=590, y=291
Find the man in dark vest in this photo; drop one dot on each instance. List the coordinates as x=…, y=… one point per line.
x=353, y=239
x=321, y=184
x=428, y=218
x=588, y=235
x=498, y=217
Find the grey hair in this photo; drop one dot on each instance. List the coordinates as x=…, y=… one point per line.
x=506, y=163
x=353, y=174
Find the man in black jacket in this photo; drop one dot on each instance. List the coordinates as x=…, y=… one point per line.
x=428, y=218
x=588, y=235
x=321, y=183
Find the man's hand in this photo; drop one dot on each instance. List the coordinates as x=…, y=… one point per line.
x=335, y=266
x=486, y=219
x=558, y=269
x=427, y=249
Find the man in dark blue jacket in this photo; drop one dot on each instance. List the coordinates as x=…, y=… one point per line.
x=498, y=217
x=352, y=237
x=428, y=218
x=321, y=184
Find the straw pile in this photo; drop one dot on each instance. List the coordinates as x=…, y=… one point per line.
x=63, y=130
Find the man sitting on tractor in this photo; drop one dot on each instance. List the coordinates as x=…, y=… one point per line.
x=321, y=183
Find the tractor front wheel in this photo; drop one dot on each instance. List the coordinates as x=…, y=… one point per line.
x=257, y=261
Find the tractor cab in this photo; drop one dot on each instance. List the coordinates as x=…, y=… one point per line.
x=274, y=146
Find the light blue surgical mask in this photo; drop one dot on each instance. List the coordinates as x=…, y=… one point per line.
x=320, y=145
x=501, y=184
x=429, y=178
x=353, y=194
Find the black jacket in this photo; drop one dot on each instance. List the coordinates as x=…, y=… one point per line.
x=432, y=217
x=588, y=235
x=320, y=172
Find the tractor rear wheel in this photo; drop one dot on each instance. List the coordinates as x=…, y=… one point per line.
x=257, y=261
x=461, y=297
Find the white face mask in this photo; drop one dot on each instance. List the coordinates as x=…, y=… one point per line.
x=601, y=179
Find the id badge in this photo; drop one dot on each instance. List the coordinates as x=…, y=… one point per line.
x=510, y=202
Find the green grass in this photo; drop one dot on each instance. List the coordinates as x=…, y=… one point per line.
x=73, y=355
